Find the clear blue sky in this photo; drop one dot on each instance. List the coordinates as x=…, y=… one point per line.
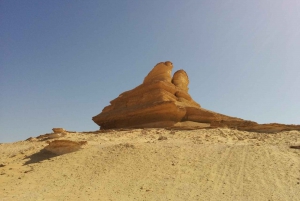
x=62, y=61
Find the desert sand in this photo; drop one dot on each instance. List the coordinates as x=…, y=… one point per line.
x=155, y=164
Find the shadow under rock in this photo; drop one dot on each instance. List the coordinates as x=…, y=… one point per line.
x=295, y=147
x=39, y=156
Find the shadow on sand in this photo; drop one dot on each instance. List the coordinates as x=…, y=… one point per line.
x=295, y=147
x=39, y=156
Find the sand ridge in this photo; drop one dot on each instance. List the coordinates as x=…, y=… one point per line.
x=206, y=164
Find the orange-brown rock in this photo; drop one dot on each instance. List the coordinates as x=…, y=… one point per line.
x=270, y=128
x=64, y=146
x=161, y=101
x=255, y=127
x=181, y=80
x=58, y=130
x=160, y=72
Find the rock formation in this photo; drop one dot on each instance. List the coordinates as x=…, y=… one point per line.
x=58, y=130
x=60, y=147
x=163, y=101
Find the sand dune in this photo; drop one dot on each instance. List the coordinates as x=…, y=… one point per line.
x=155, y=164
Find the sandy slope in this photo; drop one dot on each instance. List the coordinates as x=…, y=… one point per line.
x=218, y=164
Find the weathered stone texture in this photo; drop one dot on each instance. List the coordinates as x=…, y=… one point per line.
x=64, y=146
x=163, y=101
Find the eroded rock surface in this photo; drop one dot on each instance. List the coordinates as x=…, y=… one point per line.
x=60, y=147
x=58, y=130
x=163, y=101
x=255, y=127
x=160, y=72
x=181, y=80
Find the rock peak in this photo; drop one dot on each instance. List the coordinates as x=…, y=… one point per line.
x=160, y=72
x=181, y=80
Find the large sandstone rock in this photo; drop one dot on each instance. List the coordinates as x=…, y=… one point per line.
x=161, y=101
